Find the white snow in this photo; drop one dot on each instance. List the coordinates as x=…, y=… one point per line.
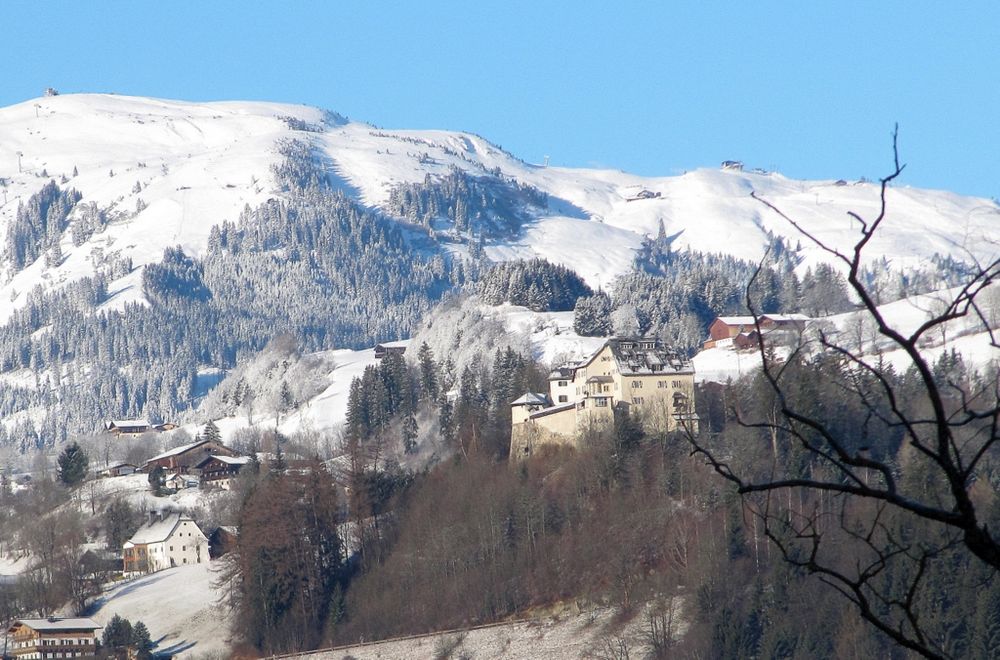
x=200, y=163
x=178, y=605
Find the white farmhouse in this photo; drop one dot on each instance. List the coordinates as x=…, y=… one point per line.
x=167, y=540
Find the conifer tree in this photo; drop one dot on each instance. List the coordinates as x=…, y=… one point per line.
x=428, y=372
x=141, y=641
x=117, y=637
x=73, y=464
x=211, y=433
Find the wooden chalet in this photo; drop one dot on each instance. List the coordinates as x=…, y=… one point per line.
x=741, y=331
x=182, y=459
x=54, y=637
x=135, y=427
x=222, y=540
x=398, y=347
x=128, y=427
x=219, y=471
x=117, y=470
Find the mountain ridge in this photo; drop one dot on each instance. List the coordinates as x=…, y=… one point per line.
x=194, y=165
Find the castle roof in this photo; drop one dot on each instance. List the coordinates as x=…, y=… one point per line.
x=645, y=356
x=531, y=399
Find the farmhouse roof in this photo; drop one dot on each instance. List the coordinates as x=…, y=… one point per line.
x=177, y=450
x=56, y=623
x=119, y=423
x=780, y=318
x=230, y=460
x=156, y=531
x=737, y=320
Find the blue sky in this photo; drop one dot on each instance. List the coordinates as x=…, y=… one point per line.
x=812, y=89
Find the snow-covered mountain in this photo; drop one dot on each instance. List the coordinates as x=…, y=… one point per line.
x=152, y=174
x=193, y=165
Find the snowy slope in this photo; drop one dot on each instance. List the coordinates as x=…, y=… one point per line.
x=198, y=164
x=179, y=606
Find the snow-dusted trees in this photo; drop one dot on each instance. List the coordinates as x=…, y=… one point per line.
x=380, y=393
x=489, y=205
x=592, y=316
x=316, y=265
x=535, y=283
x=39, y=224
x=824, y=292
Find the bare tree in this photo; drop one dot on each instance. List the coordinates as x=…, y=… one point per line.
x=865, y=462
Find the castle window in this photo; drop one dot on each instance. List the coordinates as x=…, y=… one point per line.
x=562, y=383
x=661, y=384
x=601, y=402
x=562, y=398
x=637, y=400
x=637, y=384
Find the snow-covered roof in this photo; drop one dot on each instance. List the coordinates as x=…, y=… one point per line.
x=231, y=460
x=785, y=317
x=402, y=343
x=119, y=423
x=157, y=531
x=234, y=460
x=749, y=320
x=565, y=372
x=530, y=399
x=177, y=450
x=552, y=410
x=55, y=623
x=737, y=320
x=646, y=356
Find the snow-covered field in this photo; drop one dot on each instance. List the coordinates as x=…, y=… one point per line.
x=179, y=606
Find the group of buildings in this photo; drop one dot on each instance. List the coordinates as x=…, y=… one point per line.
x=632, y=375
x=625, y=375
x=203, y=463
x=169, y=539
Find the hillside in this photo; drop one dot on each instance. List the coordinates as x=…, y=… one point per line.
x=152, y=246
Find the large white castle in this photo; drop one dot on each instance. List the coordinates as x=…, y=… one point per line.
x=636, y=374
